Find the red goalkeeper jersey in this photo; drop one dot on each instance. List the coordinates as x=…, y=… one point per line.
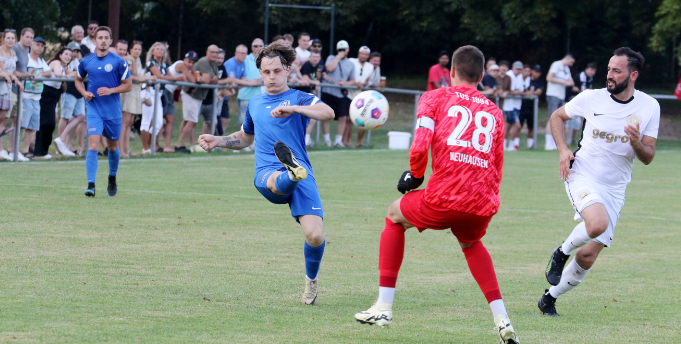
x=465, y=133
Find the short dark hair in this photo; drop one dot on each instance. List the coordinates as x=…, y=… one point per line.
x=288, y=37
x=286, y=54
x=591, y=65
x=469, y=63
x=277, y=37
x=504, y=62
x=527, y=66
x=634, y=58
x=443, y=52
x=27, y=29
x=304, y=34
x=375, y=54
x=93, y=22
x=492, y=58
x=103, y=28
x=122, y=41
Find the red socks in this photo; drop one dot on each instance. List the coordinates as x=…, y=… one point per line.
x=480, y=264
x=391, y=253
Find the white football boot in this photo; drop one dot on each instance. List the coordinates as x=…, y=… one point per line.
x=310, y=293
x=506, y=331
x=380, y=314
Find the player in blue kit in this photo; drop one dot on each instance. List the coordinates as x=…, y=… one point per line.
x=276, y=121
x=108, y=76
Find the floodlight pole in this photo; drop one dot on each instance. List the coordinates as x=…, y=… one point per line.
x=267, y=21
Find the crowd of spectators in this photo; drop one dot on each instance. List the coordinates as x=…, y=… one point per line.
x=514, y=83
x=21, y=61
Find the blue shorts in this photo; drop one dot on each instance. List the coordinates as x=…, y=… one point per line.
x=72, y=106
x=512, y=116
x=304, y=200
x=109, y=128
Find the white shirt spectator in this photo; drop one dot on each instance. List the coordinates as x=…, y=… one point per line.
x=560, y=72
x=375, y=77
x=517, y=84
x=34, y=89
x=302, y=55
x=89, y=43
x=362, y=74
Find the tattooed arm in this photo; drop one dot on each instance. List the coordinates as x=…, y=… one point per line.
x=238, y=140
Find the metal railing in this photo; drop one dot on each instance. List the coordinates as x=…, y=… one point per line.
x=157, y=95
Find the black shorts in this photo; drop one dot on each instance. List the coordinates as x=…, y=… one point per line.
x=527, y=115
x=340, y=106
x=224, y=112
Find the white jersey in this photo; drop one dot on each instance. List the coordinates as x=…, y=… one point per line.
x=605, y=154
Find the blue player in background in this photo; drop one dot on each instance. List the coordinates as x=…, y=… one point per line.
x=276, y=121
x=108, y=76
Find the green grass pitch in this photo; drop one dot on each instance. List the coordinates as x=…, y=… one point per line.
x=189, y=252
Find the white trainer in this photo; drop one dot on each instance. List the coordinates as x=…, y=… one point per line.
x=61, y=148
x=380, y=314
x=328, y=143
x=4, y=155
x=20, y=157
x=506, y=331
x=310, y=293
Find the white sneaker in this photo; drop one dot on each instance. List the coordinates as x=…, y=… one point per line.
x=512, y=148
x=20, y=157
x=378, y=314
x=236, y=151
x=310, y=293
x=4, y=155
x=328, y=143
x=339, y=145
x=61, y=148
x=146, y=151
x=47, y=156
x=506, y=331
x=249, y=148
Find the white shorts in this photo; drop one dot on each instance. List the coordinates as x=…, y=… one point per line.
x=190, y=108
x=584, y=192
x=148, y=112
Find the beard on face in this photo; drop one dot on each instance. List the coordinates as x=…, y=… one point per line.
x=619, y=88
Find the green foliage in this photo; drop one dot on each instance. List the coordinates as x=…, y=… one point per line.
x=668, y=24
x=40, y=15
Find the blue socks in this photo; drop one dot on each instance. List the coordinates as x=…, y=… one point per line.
x=313, y=258
x=285, y=185
x=91, y=164
x=114, y=158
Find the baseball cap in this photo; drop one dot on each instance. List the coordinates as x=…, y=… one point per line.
x=73, y=46
x=192, y=55
x=316, y=41
x=39, y=39
x=518, y=65
x=536, y=68
x=342, y=44
x=364, y=48
x=494, y=66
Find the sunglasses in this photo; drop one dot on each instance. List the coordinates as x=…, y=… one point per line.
x=10, y=30
x=316, y=45
x=341, y=50
x=92, y=28
x=256, y=46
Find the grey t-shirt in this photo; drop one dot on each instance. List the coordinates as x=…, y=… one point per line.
x=22, y=62
x=345, y=70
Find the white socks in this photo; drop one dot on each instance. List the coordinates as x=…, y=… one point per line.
x=497, y=307
x=386, y=295
x=327, y=137
x=530, y=143
x=577, y=239
x=550, y=143
x=339, y=139
x=307, y=139
x=572, y=276
x=516, y=142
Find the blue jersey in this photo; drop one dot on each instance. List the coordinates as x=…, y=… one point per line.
x=268, y=130
x=107, y=71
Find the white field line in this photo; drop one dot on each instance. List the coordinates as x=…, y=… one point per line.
x=185, y=193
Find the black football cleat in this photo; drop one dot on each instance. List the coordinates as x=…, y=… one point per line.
x=556, y=265
x=112, y=188
x=90, y=191
x=547, y=305
x=287, y=159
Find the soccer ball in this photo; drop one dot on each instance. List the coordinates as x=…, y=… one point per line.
x=369, y=110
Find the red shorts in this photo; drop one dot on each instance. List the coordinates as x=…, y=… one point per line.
x=467, y=228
